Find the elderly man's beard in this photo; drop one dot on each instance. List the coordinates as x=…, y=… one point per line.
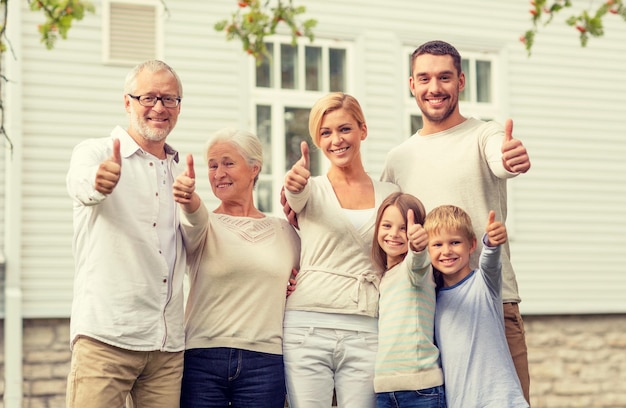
x=140, y=125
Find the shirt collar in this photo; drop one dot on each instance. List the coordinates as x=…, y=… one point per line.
x=128, y=146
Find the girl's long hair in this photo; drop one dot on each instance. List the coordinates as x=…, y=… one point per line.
x=403, y=202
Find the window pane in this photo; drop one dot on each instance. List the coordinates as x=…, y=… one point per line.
x=264, y=78
x=264, y=195
x=483, y=79
x=465, y=95
x=297, y=130
x=264, y=132
x=288, y=66
x=337, y=67
x=313, y=68
x=416, y=123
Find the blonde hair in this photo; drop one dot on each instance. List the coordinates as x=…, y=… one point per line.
x=403, y=202
x=329, y=103
x=449, y=218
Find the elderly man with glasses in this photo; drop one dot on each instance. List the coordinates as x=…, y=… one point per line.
x=126, y=326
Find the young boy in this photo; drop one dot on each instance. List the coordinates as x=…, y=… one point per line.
x=469, y=323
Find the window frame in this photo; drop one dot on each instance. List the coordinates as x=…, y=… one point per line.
x=279, y=99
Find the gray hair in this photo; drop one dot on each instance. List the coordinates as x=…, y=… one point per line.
x=246, y=143
x=151, y=66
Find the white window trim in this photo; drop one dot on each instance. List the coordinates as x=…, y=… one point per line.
x=279, y=99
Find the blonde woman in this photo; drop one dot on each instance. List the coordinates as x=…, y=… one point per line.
x=331, y=327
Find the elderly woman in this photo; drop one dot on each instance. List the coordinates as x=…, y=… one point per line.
x=239, y=263
x=331, y=326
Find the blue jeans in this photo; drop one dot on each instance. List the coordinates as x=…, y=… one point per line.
x=427, y=398
x=224, y=377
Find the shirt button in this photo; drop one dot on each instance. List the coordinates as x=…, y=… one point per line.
x=164, y=280
x=151, y=164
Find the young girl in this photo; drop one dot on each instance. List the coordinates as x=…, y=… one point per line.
x=408, y=372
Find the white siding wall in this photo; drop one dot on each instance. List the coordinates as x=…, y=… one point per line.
x=571, y=209
x=5, y=148
x=568, y=104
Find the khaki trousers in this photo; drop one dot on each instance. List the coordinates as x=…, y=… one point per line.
x=103, y=376
x=516, y=337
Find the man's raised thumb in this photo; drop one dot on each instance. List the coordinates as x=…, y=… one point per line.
x=491, y=218
x=116, y=157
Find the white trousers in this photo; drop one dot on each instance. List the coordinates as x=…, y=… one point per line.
x=319, y=359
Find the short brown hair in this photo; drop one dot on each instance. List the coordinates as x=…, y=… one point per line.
x=438, y=48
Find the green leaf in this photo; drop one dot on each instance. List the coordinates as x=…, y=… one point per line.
x=220, y=25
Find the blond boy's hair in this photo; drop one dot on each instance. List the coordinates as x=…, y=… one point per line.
x=449, y=218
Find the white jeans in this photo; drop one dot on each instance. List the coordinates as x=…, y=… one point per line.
x=319, y=359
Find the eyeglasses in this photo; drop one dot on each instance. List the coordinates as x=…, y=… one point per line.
x=168, y=101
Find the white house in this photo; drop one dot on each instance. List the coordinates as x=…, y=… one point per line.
x=567, y=216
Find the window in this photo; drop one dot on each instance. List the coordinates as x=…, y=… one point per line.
x=478, y=99
x=132, y=31
x=286, y=85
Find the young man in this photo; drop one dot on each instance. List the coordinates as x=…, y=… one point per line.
x=127, y=314
x=469, y=326
x=461, y=161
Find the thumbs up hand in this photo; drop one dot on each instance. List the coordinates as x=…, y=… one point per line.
x=185, y=184
x=298, y=176
x=417, y=236
x=496, y=231
x=190, y=172
x=109, y=171
x=184, y=188
x=514, y=155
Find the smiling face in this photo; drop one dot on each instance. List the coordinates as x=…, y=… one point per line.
x=436, y=85
x=450, y=252
x=391, y=235
x=152, y=123
x=340, y=137
x=231, y=178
